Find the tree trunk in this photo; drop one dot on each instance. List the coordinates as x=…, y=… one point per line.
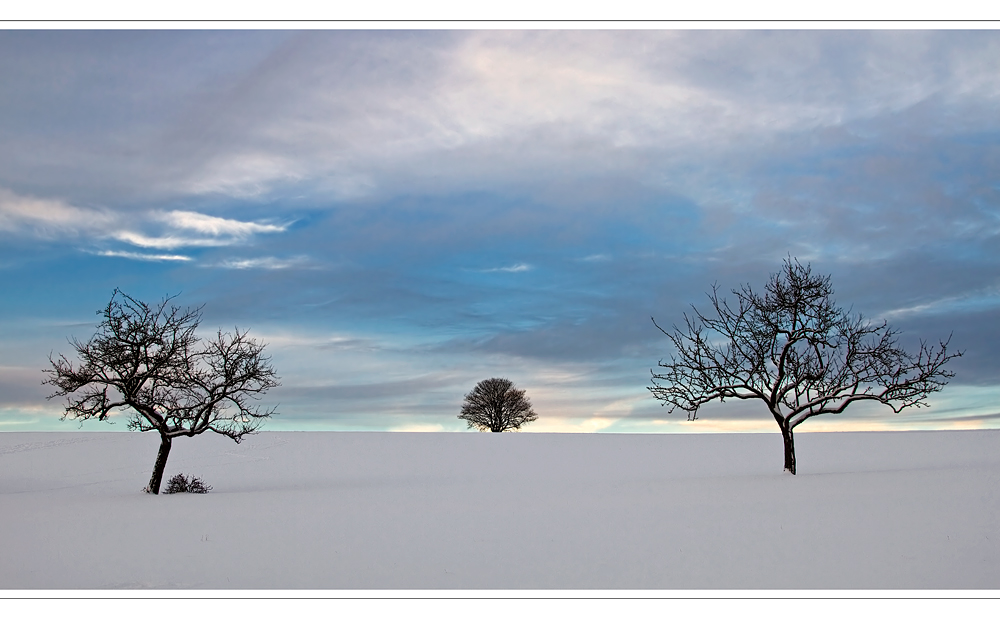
x=786, y=435
x=161, y=464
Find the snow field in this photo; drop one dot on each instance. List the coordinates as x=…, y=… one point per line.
x=453, y=511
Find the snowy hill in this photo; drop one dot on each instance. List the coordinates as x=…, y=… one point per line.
x=909, y=510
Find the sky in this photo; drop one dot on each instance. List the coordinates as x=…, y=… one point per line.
x=400, y=214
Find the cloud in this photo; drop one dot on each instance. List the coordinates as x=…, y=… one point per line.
x=242, y=175
x=974, y=301
x=419, y=427
x=210, y=231
x=22, y=387
x=267, y=262
x=520, y=267
x=627, y=171
x=144, y=257
x=370, y=114
x=216, y=226
x=47, y=217
x=50, y=218
x=171, y=241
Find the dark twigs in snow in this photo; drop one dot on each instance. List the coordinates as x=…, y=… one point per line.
x=180, y=483
x=796, y=351
x=495, y=405
x=147, y=359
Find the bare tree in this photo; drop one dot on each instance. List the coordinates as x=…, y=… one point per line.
x=147, y=359
x=495, y=405
x=796, y=351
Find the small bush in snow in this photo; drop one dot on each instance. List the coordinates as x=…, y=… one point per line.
x=180, y=483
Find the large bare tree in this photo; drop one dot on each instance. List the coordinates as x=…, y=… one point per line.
x=796, y=351
x=148, y=360
x=495, y=405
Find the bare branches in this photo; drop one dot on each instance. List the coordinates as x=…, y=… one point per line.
x=495, y=405
x=139, y=354
x=794, y=349
x=228, y=375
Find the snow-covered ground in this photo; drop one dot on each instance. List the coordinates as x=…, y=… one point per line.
x=900, y=510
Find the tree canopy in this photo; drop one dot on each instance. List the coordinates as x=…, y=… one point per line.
x=148, y=360
x=796, y=351
x=495, y=405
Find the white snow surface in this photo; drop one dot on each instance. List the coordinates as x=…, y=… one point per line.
x=290, y=510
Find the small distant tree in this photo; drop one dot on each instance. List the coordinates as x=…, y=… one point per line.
x=148, y=360
x=495, y=405
x=793, y=349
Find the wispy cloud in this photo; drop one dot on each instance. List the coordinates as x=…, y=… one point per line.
x=217, y=226
x=974, y=301
x=54, y=218
x=208, y=231
x=169, y=242
x=144, y=257
x=267, y=262
x=48, y=217
x=520, y=267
